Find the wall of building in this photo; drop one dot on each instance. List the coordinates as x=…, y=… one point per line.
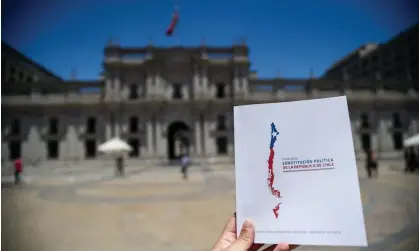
x=154, y=136
x=198, y=108
x=398, y=58
x=17, y=68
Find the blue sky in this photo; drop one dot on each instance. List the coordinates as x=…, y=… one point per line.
x=286, y=37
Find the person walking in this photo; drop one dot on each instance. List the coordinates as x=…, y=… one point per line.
x=120, y=166
x=18, y=170
x=185, y=165
x=371, y=164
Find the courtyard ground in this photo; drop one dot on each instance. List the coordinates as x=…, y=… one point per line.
x=152, y=208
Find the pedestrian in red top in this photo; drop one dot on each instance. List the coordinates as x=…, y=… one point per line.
x=18, y=170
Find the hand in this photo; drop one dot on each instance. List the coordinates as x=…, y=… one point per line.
x=229, y=241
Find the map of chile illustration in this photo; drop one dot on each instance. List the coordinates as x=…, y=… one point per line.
x=271, y=175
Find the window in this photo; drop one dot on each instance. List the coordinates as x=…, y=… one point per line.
x=364, y=63
x=366, y=141
x=222, y=145
x=365, y=136
x=53, y=149
x=90, y=148
x=398, y=140
x=133, y=124
x=221, y=122
x=133, y=91
x=364, y=121
x=220, y=90
x=177, y=91
x=21, y=76
x=397, y=133
x=15, y=127
x=397, y=121
x=15, y=149
x=135, y=144
x=53, y=126
x=91, y=125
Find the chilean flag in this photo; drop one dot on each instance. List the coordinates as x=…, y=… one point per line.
x=172, y=26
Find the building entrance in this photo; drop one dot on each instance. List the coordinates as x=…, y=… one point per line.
x=177, y=140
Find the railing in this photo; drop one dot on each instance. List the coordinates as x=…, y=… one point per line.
x=47, y=99
x=252, y=97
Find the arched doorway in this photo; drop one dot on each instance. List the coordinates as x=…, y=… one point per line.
x=177, y=140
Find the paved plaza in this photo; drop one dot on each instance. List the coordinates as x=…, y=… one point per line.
x=152, y=208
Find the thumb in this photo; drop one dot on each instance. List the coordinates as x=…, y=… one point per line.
x=245, y=239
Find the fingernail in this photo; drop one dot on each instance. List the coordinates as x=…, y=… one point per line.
x=247, y=224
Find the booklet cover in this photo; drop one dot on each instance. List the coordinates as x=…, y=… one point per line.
x=296, y=173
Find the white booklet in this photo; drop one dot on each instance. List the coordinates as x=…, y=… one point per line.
x=296, y=173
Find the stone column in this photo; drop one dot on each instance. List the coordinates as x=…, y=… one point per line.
x=178, y=148
x=30, y=146
x=150, y=137
x=108, y=127
x=81, y=127
x=73, y=142
x=117, y=88
x=161, y=140
x=375, y=134
x=202, y=129
x=245, y=85
x=185, y=91
x=386, y=144
x=198, y=143
x=236, y=80
x=356, y=136
x=195, y=80
x=149, y=80
x=209, y=142
x=64, y=142
x=375, y=142
x=157, y=83
x=117, y=126
x=204, y=77
x=108, y=88
x=413, y=127
x=124, y=90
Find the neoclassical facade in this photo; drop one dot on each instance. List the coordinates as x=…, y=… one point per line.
x=158, y=99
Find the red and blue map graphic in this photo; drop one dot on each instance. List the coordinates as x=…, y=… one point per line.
x=271, y=176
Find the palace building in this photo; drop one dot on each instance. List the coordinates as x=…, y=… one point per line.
x=397, y=58
x=167, y=100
